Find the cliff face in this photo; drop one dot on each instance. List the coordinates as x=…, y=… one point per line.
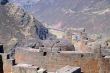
x=19, y=28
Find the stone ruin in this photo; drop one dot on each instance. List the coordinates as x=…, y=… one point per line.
x=32, y=51
x=42, y=60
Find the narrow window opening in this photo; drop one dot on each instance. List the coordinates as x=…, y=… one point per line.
x=1, y=49
x=82, y=55
x=8, y=56
x=45, y=53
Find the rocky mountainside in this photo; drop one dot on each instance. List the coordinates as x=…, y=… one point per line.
x=94, y=15
x=18, y=28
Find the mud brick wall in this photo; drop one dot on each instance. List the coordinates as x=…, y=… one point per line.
x=88, y=62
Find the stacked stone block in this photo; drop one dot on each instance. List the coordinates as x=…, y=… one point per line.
x=69, y=69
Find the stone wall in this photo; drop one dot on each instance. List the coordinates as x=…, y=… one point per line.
x=89, y=62
x=1, y=64
x=7, y=63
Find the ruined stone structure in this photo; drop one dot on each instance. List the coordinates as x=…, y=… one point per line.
x=33, y=60
x=78, y=37
x=75, y=34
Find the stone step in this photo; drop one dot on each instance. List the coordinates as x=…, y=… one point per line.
x=69, y=69
x=25, y=68
x=41, y=70
x=107, y=57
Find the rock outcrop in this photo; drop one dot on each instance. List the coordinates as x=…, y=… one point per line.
x=19, y=28
x=4, y=2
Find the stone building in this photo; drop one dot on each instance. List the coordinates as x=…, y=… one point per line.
x=78, y=37
x=76, y=34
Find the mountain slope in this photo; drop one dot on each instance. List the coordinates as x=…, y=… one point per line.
x=94, y=15
x=18, y=28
